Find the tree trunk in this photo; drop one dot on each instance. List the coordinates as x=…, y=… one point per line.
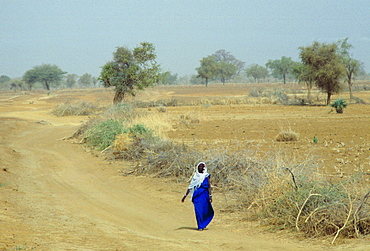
x=328, y=100
x=309, y=85
x=284, y=79
x=47, y=85
x=350, y=89
x=206, y=82
x=118, y=97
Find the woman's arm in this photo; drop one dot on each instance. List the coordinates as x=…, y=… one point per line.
x=186, y=194
x=210, y=189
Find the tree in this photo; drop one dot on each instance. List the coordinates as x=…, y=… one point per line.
x=168, y=79
x=353, y=66
x=280, y=67
x=208, y=68
x=16, y=84
x=4, y=79
x=86, y=80
x=131, y=70
x=47, y=74
x=256, y=72
x=224, y=56
x=303, y=75
x=226, y=70
x=71, y=80
x=324, y=65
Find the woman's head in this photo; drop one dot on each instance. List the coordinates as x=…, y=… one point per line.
x=201, y=167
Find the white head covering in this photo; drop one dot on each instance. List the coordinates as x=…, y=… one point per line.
x=198, y=178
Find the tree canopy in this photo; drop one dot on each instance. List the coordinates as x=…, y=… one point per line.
x=86, y=80
x=4, y=79
x=47, y=74
x=227, y=57
x=71, y=80
x=323, y=63
x=280, y=67
x=131, y=70
x=256, y=72
x=208, y=68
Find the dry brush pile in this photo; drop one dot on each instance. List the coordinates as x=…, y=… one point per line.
x=283, y=191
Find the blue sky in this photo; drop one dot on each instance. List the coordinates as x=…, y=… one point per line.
x=80, y=35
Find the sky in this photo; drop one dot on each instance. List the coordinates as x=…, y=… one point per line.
x=80, y=36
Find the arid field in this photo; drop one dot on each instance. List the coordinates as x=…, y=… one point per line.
x=60, y=195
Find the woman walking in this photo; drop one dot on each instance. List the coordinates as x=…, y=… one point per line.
x=201, y=192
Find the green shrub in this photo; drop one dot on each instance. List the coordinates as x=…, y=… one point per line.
x=339, y=105
x=102, y=134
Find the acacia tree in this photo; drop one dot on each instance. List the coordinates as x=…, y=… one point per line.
x=131, y=70
x=208, y=68
x=71, y=80
x=47, y=74
x=86, y=80
x=226, y=70
x=324, y=65
x=280, y=67
x=227, y=57
x=353, y=66
x=256, y=72
x=303, y=75
x=4, y=79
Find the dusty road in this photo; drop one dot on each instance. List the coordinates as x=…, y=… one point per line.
x=58, y=196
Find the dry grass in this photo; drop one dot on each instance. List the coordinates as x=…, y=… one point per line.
x=282, y=190
x=76, y=109
x=287, y=134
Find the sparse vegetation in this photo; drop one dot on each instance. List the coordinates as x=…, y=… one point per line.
x=281, y=190
x=76, y=109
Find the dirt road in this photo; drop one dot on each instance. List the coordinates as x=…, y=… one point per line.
x=58, y=196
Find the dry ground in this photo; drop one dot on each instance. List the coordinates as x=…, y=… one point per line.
x=57, y=195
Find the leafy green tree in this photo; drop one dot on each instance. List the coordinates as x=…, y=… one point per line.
x=131, y=70
x=303, y=75
x=71, y=80
x=226, y=70
x=208, y=68
x=227, y=57
x=324, y=65
x=168, y=79
x=280, y=67
x=256, y=72
x=4, y=79
x=353, y=66
x=86, y=80
x=47, y=74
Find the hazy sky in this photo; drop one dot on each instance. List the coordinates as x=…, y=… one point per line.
x=80, y=36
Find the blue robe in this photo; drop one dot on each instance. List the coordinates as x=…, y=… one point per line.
x=202, y=206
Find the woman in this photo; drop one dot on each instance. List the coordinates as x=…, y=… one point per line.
x=200, y=189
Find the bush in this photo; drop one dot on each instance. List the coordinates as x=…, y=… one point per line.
x=102, y=134
x=339, y=105
x=320, y=208
x=287, y=135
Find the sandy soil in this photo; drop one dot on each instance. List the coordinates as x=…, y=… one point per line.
x=57, y=195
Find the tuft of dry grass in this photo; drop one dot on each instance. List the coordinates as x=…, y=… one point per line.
x=286, y=135
x=76, y=109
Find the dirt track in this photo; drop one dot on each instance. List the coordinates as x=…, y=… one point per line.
x=58, y=196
